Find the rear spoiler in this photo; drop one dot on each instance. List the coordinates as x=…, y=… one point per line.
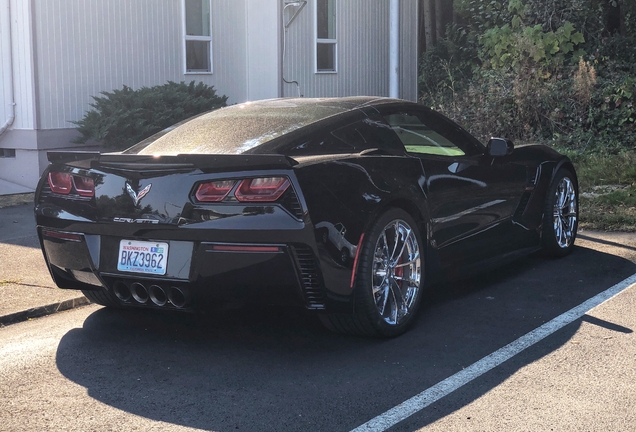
x=204, y=162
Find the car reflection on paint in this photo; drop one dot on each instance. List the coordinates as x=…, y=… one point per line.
x=335, y=234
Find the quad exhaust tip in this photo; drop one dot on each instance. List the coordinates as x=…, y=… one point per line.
x=122, y=292
x=139, y=293
x=178, y=297
x=157, y=295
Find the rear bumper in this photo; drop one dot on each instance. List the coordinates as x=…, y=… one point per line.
x=203, y=272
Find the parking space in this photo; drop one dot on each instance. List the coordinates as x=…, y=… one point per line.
x=256, y=369
x=269, y=369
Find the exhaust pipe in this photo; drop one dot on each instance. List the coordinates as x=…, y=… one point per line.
x=178, y=297
x=157, y=295
x=139, y=292
x=122, y=292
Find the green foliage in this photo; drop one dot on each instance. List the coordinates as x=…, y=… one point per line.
x=558, y=72
x=445, y=69
x=481, y=15
x=124, y=117
x=517, y=45
x=594, y=169
x=528, y=77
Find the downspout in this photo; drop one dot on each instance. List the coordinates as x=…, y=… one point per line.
x=394, y=49
x=7, y=49
x=300, y=5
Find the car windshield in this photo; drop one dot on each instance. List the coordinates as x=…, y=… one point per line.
x=236, y=129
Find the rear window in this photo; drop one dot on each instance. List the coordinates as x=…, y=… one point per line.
x=235, y=129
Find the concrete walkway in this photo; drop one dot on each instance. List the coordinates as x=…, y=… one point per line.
x=8, y=188
x=26, y=288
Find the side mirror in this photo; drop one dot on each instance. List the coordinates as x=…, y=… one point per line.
x=499, y=147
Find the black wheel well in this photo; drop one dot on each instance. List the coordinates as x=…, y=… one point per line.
x=567, y=164
x=411, y=209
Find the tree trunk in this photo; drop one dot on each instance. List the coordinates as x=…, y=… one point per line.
x=440, y=25
x=429, y=23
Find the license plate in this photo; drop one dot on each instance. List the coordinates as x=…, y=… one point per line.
x=143, y=257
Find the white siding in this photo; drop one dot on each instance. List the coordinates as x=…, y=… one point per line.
x=362, y=53
x=263, y=45
x=21, y=43
x=86, y=47
x=5, y=77
x=408, y=50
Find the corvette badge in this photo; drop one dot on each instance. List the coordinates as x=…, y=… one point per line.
x=136, y=197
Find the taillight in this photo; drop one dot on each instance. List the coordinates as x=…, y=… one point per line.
x=85, y=186
x=60, y=183
x=214, y=191
x=262, y=189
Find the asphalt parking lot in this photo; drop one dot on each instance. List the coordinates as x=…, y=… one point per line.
x=269, y=369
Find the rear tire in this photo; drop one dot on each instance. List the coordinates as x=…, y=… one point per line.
x=101, y=297
x=389, y=279
x=560, y=215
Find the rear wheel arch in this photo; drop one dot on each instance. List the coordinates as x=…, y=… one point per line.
x=367, y=318
x=411, y=208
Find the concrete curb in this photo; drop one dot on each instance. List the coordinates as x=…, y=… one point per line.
x=43, y=310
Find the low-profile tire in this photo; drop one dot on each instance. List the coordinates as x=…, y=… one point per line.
x=560, y=215
x=389, y=279
x=101, y=297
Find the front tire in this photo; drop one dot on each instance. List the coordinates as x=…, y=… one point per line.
x=560, y=215
x=389, y=279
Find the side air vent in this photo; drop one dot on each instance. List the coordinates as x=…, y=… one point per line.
x=289, y=200
x=531, y=179
x=523, y=203
x=531, y=175
x=312, y=291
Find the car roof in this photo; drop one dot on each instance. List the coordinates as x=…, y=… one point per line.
x=239, y=128
x=339, y=104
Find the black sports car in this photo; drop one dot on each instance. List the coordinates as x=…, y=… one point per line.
x=350, y=207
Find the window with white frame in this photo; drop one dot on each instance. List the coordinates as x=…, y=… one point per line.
x=326, y=36
x=198, y=36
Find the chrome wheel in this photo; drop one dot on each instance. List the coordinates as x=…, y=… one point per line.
x=396, y=271
x=564, y=214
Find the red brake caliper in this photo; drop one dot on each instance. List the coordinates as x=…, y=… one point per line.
x=399, y=271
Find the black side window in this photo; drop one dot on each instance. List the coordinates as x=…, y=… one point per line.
x=321, y=145
x=352, y=138
x=424, y=132
x=370, y=133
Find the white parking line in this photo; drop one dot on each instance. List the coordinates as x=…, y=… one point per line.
x=452, y=383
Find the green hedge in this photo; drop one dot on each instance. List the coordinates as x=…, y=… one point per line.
x=124, y=117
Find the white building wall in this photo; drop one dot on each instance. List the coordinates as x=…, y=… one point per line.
x=23, y=67
x=19, y=57
x=5, y=64
x=86, y=47
x=17, y=53
x=262, y=60
x=408, y=49
x=362, y=31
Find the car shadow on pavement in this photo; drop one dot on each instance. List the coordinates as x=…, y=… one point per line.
x=271, y=369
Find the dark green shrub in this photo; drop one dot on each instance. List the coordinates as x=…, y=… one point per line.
x=124, y=117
